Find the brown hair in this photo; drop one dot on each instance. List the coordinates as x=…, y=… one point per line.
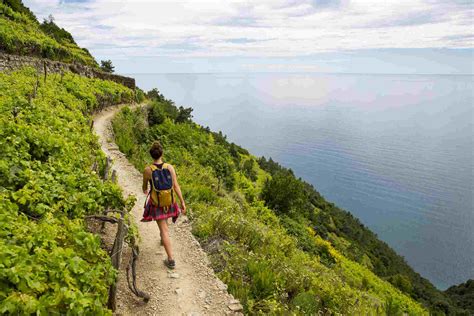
x=156, y=150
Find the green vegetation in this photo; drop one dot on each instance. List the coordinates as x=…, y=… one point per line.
x=298, y=200
x=106, y=65
x=463, y=296
x=22, y=34
x=49, y=262
x=273, y=238
x=59, y=34
x=18, y=6
x=256, y=221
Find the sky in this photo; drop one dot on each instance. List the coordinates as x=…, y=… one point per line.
x=341, y=36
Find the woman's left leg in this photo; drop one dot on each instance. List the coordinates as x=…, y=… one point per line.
x=165, y=237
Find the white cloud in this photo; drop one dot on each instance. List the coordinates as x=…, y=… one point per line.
x=264, y=28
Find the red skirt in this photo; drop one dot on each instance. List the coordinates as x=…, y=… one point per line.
x=153, y=213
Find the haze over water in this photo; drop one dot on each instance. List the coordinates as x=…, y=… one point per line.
x=395, y=150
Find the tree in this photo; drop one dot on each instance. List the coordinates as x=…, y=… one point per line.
x=284, y=193
x=154, y=94
x=218, y=160
x=106, y=65
x=156, y=114
x=248, y=169
x=184, y=115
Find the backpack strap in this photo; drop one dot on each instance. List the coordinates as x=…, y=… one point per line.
x=153, y=168
x=165, y=165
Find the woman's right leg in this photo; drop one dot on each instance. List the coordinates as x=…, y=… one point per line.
x=165, y=237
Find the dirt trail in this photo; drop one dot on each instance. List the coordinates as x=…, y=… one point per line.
x=192, y=288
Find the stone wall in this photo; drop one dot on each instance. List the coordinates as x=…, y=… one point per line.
x=13, y=62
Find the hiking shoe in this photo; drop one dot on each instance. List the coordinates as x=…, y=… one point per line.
x=169, y=263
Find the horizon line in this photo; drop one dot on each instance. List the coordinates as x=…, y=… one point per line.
x=296, y=72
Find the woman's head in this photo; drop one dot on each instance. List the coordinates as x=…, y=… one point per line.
x=156, y=150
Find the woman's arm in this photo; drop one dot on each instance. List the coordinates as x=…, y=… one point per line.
x=177, y=188
x=146, y=178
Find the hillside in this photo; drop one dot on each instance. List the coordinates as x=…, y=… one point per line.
x=49, y=262
x=463, y=295
x=22, y=34
x=275, y=232
x=277, y=243
x=270, y=260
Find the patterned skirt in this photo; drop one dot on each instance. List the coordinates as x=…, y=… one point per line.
x=153, y=213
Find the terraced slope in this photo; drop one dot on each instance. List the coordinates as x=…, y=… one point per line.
x=22, y=34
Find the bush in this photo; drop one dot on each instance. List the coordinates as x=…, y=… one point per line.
x=156, y=114
x=139, y=95
x=306, y=303
x=284, y=193
x=248, y=169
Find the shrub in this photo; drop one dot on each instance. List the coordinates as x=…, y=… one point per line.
x=156, y=114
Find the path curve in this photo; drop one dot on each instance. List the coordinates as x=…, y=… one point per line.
x=193, y=289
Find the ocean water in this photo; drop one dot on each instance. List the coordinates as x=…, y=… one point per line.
x=395, y=150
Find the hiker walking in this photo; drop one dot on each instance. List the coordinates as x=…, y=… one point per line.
x=159, y=184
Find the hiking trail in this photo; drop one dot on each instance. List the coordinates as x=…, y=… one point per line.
x=192, y=288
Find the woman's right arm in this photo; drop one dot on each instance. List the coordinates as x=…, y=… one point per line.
x=146, y=178
x=177, y=189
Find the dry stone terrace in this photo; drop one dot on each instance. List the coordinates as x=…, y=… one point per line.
x=10, y=62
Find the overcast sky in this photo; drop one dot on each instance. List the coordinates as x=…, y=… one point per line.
x=415, y=36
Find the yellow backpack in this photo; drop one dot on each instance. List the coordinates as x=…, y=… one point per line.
x=161, y=186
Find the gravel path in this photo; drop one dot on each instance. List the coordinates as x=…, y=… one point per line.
x=192, y=288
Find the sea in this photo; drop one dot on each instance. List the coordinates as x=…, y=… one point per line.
x=394, y=150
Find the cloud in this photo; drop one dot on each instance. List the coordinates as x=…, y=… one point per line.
x=241, y=40
x=267, y=28
x=410, y=19
x=328, y=3
x=74, y=1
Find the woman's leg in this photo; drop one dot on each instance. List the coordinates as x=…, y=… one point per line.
x=165, y=237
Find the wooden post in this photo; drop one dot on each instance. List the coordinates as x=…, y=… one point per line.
x=94, y=167
x=45, y=71
x=102, y=225
x=107, y=168
x=92, y=124
x=114, y=176
x=116, y=258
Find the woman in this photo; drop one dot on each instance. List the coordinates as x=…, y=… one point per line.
x=157, y=213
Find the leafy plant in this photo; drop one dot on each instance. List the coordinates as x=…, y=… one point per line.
x=49, y=262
